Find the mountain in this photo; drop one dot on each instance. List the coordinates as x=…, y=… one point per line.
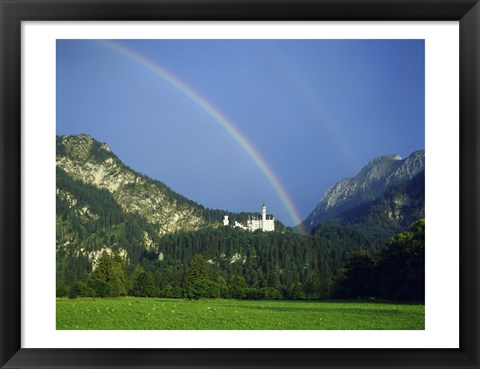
x=89, y=161
x=394, y=211
x=103, y=205
x=116, y=228
x=372, y=186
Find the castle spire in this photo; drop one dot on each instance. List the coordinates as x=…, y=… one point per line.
x=264, y=216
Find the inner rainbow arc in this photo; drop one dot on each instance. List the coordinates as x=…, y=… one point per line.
x=216, y=115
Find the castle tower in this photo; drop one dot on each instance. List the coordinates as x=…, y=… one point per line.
x=264, y=216
x=225, y=220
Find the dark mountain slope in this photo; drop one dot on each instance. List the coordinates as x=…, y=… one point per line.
x=368, y=185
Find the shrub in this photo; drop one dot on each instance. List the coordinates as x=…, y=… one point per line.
x=171, y=292
x=101, y=288
x=270, y=293
x=202, y=288
x=144, y=286
x=62, y=290
x=253, y=293
x=80, y=289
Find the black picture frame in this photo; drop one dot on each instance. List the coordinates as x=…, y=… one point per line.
x=13, y=12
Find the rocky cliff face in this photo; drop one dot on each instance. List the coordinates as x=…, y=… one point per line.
x=368, y=185
x=87, y=160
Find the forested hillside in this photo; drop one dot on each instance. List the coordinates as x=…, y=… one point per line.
x=122, y=233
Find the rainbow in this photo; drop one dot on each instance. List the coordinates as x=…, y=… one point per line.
x=302, y=88
x=216, y=115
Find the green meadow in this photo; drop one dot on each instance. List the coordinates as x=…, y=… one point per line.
x=158, y=313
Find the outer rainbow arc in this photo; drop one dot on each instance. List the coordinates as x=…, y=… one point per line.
x=302, y=88
x=216, y=115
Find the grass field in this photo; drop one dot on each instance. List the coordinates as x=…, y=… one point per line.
x=155, y=313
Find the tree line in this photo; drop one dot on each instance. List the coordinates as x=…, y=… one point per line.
x=397, y=272
x=230, y=263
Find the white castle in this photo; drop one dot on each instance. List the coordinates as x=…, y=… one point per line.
x=265, y=222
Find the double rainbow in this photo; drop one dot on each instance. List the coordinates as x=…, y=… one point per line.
x=216, y=115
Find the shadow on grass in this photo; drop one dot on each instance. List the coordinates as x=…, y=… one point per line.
x=330, y=310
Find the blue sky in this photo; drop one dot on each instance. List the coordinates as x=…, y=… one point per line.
x=315, y=111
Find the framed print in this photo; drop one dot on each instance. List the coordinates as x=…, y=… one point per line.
x=239, y=184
